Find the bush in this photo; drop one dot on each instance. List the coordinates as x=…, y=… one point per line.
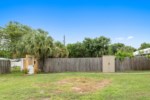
x=121, y=55
x=25, y=71
x=148, y=56
x=15, y=69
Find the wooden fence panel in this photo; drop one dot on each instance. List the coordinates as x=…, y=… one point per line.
x=94, y=64
x=4, y=66
x=136, y=63
x=73, y=65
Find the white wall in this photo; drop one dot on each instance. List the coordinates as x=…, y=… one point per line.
x=16, y=62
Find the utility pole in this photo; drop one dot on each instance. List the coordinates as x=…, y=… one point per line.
x=64, y=41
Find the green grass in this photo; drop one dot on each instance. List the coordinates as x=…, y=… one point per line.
x=123, y=86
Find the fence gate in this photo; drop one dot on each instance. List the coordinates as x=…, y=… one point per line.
x=108, y=64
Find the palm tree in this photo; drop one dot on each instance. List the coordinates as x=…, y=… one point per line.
x=60, y=50
x=38, y=44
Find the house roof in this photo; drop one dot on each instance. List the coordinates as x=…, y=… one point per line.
x=143, y=52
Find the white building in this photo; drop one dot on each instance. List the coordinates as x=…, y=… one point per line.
x=142, y=52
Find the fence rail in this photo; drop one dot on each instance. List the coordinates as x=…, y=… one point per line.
x=4, y=66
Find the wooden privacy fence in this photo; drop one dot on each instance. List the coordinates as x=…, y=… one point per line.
x=129, y=64
x=73, y=65
x=94, y=64
x=4, y=66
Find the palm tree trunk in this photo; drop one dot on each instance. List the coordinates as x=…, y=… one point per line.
x=43, y=64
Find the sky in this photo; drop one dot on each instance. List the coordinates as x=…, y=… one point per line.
x=124, y=21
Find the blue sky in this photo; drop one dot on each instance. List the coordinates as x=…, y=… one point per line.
x=125, y=21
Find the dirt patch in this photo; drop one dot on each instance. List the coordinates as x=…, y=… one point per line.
x=85, y=85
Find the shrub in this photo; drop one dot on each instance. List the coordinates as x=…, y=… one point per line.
x=121, y=55
x=15, y=69
x=25, y=71
x=148, y=56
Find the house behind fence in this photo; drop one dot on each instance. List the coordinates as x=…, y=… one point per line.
x=5, y=66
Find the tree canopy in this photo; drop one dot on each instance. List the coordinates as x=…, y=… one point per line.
x=89, y=47
x=11, y=34
x=120, y=47
x=18, y=39
x=76, y=49
x=59, y=50
x=144, y=46
x=38, y=44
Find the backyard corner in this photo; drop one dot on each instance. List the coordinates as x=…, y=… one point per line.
x=75, y=50
x=75, y=86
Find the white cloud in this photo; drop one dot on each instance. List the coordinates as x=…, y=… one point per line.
x=130, y=37
x=124, y=38
x=120, y=38
x=127, y=40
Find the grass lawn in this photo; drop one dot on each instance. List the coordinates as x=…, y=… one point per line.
x=75, y=86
